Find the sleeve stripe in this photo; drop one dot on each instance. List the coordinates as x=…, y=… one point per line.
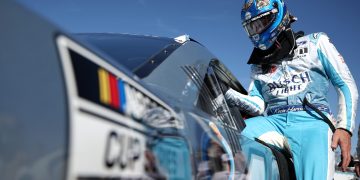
x=344, y=87
x=252, y=103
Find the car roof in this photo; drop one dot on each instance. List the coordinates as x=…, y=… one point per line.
x=131, y=51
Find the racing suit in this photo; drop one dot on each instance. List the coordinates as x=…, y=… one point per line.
x=278, y=96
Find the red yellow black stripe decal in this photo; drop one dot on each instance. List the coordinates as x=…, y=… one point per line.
x=111, y=90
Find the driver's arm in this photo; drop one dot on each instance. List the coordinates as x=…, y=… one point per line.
x=340, y=76
x=253, y=103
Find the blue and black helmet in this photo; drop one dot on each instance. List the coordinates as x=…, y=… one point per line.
x=264, y=20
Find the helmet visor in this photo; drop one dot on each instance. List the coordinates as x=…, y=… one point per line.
x=259, y=23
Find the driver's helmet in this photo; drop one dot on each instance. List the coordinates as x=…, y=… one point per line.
x=264, y=20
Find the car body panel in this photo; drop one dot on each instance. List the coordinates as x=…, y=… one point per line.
x=178, y=81
x=33, y=113
x=71, y=110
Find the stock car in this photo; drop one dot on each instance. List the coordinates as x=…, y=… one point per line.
x=119, y=106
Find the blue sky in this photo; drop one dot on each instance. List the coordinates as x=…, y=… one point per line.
x=214, y=23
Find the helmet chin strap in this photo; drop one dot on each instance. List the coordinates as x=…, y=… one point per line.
x=283, y=47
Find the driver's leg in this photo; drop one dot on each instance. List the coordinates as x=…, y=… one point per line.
x=267, y=128
x=310, y=138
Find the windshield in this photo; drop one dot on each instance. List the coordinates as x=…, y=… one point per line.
x=131, y=51
x=175, y=75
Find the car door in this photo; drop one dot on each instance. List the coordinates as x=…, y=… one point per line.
x=257, y=160
x=218, y=153
x=263, y=161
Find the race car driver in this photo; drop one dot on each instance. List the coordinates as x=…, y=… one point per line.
x=291, y=72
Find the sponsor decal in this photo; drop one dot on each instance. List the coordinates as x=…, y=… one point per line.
x=109, y=89
x=100, y=86
x=123, y=151
x=247, y=15
x=262, y=46
x=100, y=148
x=288, y=109
x=301, y=52
x=289, y=86
x=262, y=3
x=301, y=43
x=316, y=35
x=295, y=108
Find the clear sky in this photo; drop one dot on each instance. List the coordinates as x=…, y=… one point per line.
x=214, y=23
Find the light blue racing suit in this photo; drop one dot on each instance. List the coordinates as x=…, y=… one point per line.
x=277, y=95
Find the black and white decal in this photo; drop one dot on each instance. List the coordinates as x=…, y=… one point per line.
x=105, y=110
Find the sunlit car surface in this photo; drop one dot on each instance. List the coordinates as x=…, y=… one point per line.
x=116, y=106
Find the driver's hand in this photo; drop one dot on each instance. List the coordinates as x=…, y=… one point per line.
x=342, y=138
x=230, y=96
